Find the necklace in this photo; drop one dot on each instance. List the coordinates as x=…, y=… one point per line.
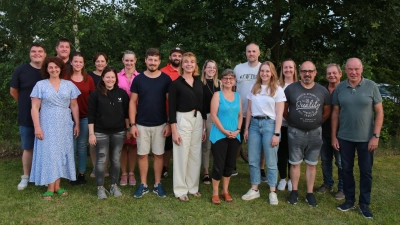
x=212, y=92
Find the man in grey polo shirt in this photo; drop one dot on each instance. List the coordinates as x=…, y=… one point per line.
x=308, y=105
x=355, y=101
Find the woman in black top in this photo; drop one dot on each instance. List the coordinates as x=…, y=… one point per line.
x=108, y=120
x=209, y=77
x=100, y=61
x=185, y=105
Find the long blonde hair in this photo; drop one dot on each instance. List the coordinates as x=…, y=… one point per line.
x=273, y=81
x=203, y=73
x=282, y=77
x=187, y=55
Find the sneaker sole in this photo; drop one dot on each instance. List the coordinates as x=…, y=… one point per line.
x=311, y=205
x=274, y=203
x=155, y=192
x=363, y=214
x=143, y=193
x=293, y=203
x=21, y=188
x=345, y=210
x=248, y=199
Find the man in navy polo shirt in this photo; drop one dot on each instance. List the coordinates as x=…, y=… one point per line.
x=22, y=83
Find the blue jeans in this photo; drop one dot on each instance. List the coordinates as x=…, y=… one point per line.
x=80, y=144
x=327, y=152
x=260, y=134
x=106, y=142
x=365, y=162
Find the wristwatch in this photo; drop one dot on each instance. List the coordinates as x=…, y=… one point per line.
x=277, y=134
x=132, y=124
x=377, y=135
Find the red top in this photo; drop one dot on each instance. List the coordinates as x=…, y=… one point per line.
x=170, y=71
x=85, y=88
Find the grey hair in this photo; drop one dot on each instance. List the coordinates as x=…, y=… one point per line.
x=334, y=64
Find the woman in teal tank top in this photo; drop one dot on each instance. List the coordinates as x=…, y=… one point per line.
x=226, y=115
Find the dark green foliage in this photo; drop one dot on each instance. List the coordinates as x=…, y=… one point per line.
x=321, y=31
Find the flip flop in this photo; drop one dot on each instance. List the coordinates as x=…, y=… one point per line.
x=48, y=195
x=197, y=194
x=183, y=198
x=62, y=192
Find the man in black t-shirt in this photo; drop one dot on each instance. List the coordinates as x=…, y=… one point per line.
x=148, y=120
x=308, y=105
x=63, y=49
x=22, y=83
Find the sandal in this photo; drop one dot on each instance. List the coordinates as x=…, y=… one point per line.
x=62, y=192
x=197, y=194
x=227, y=197
x=183, y=198
x=48, y=195
x=206, y=179
x=215, y=200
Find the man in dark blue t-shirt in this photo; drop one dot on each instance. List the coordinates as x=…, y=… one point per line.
x=22, y=83
x=148, y=119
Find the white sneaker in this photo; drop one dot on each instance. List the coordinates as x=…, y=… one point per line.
x=282, y=185
x=24, y=182
x=289, y=185
x=273, y=198
x=251, y=194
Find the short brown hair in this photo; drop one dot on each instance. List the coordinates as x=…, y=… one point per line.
x=58, y=62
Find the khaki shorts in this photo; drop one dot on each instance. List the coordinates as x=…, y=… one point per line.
x=150, y=138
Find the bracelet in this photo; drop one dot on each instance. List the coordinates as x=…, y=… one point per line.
x=128, y=129
x=238, y=129
x=205, y=129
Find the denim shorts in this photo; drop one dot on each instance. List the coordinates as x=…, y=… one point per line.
x=27, y=137
x=304, y=145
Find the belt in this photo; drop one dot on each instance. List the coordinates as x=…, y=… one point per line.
x=261, y=117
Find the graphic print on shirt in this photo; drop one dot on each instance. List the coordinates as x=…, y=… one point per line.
x=307, y=105
x=247, y=77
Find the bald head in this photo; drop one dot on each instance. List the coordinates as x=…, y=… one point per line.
x=252, y=54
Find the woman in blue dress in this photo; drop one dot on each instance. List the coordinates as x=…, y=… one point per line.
x=53, y=100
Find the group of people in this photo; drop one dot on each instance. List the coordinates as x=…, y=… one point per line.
x=169, y=112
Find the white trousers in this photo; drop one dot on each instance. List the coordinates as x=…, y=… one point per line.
x=187, y=156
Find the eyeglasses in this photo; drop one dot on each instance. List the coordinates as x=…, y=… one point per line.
x=307, y=71
x=211, y=68
x=228, y=79
x=353, y=91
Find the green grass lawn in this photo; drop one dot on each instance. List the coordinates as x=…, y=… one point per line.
x=83, y=207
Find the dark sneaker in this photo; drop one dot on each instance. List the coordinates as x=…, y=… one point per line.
x=323, y=189
x=79, y=181
x=234, y=173
x=263, y=176
x=141, y=191
x=206, y=179
x=346, y=206
x=310, y=198
x=293, y=198
x=164, y=173
x=159, y=191
x=364, y=210
x=339, y=195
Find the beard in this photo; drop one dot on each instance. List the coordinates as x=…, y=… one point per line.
x=174, y=63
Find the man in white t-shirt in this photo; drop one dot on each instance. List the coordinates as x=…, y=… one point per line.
x=245, y=77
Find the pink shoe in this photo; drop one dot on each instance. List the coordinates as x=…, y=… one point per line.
x=124, y=180
x=132, y=180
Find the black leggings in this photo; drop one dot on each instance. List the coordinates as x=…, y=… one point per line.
x=283, y=155
x=224, y=153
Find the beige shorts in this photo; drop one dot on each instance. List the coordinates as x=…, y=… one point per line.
x=150, y=138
